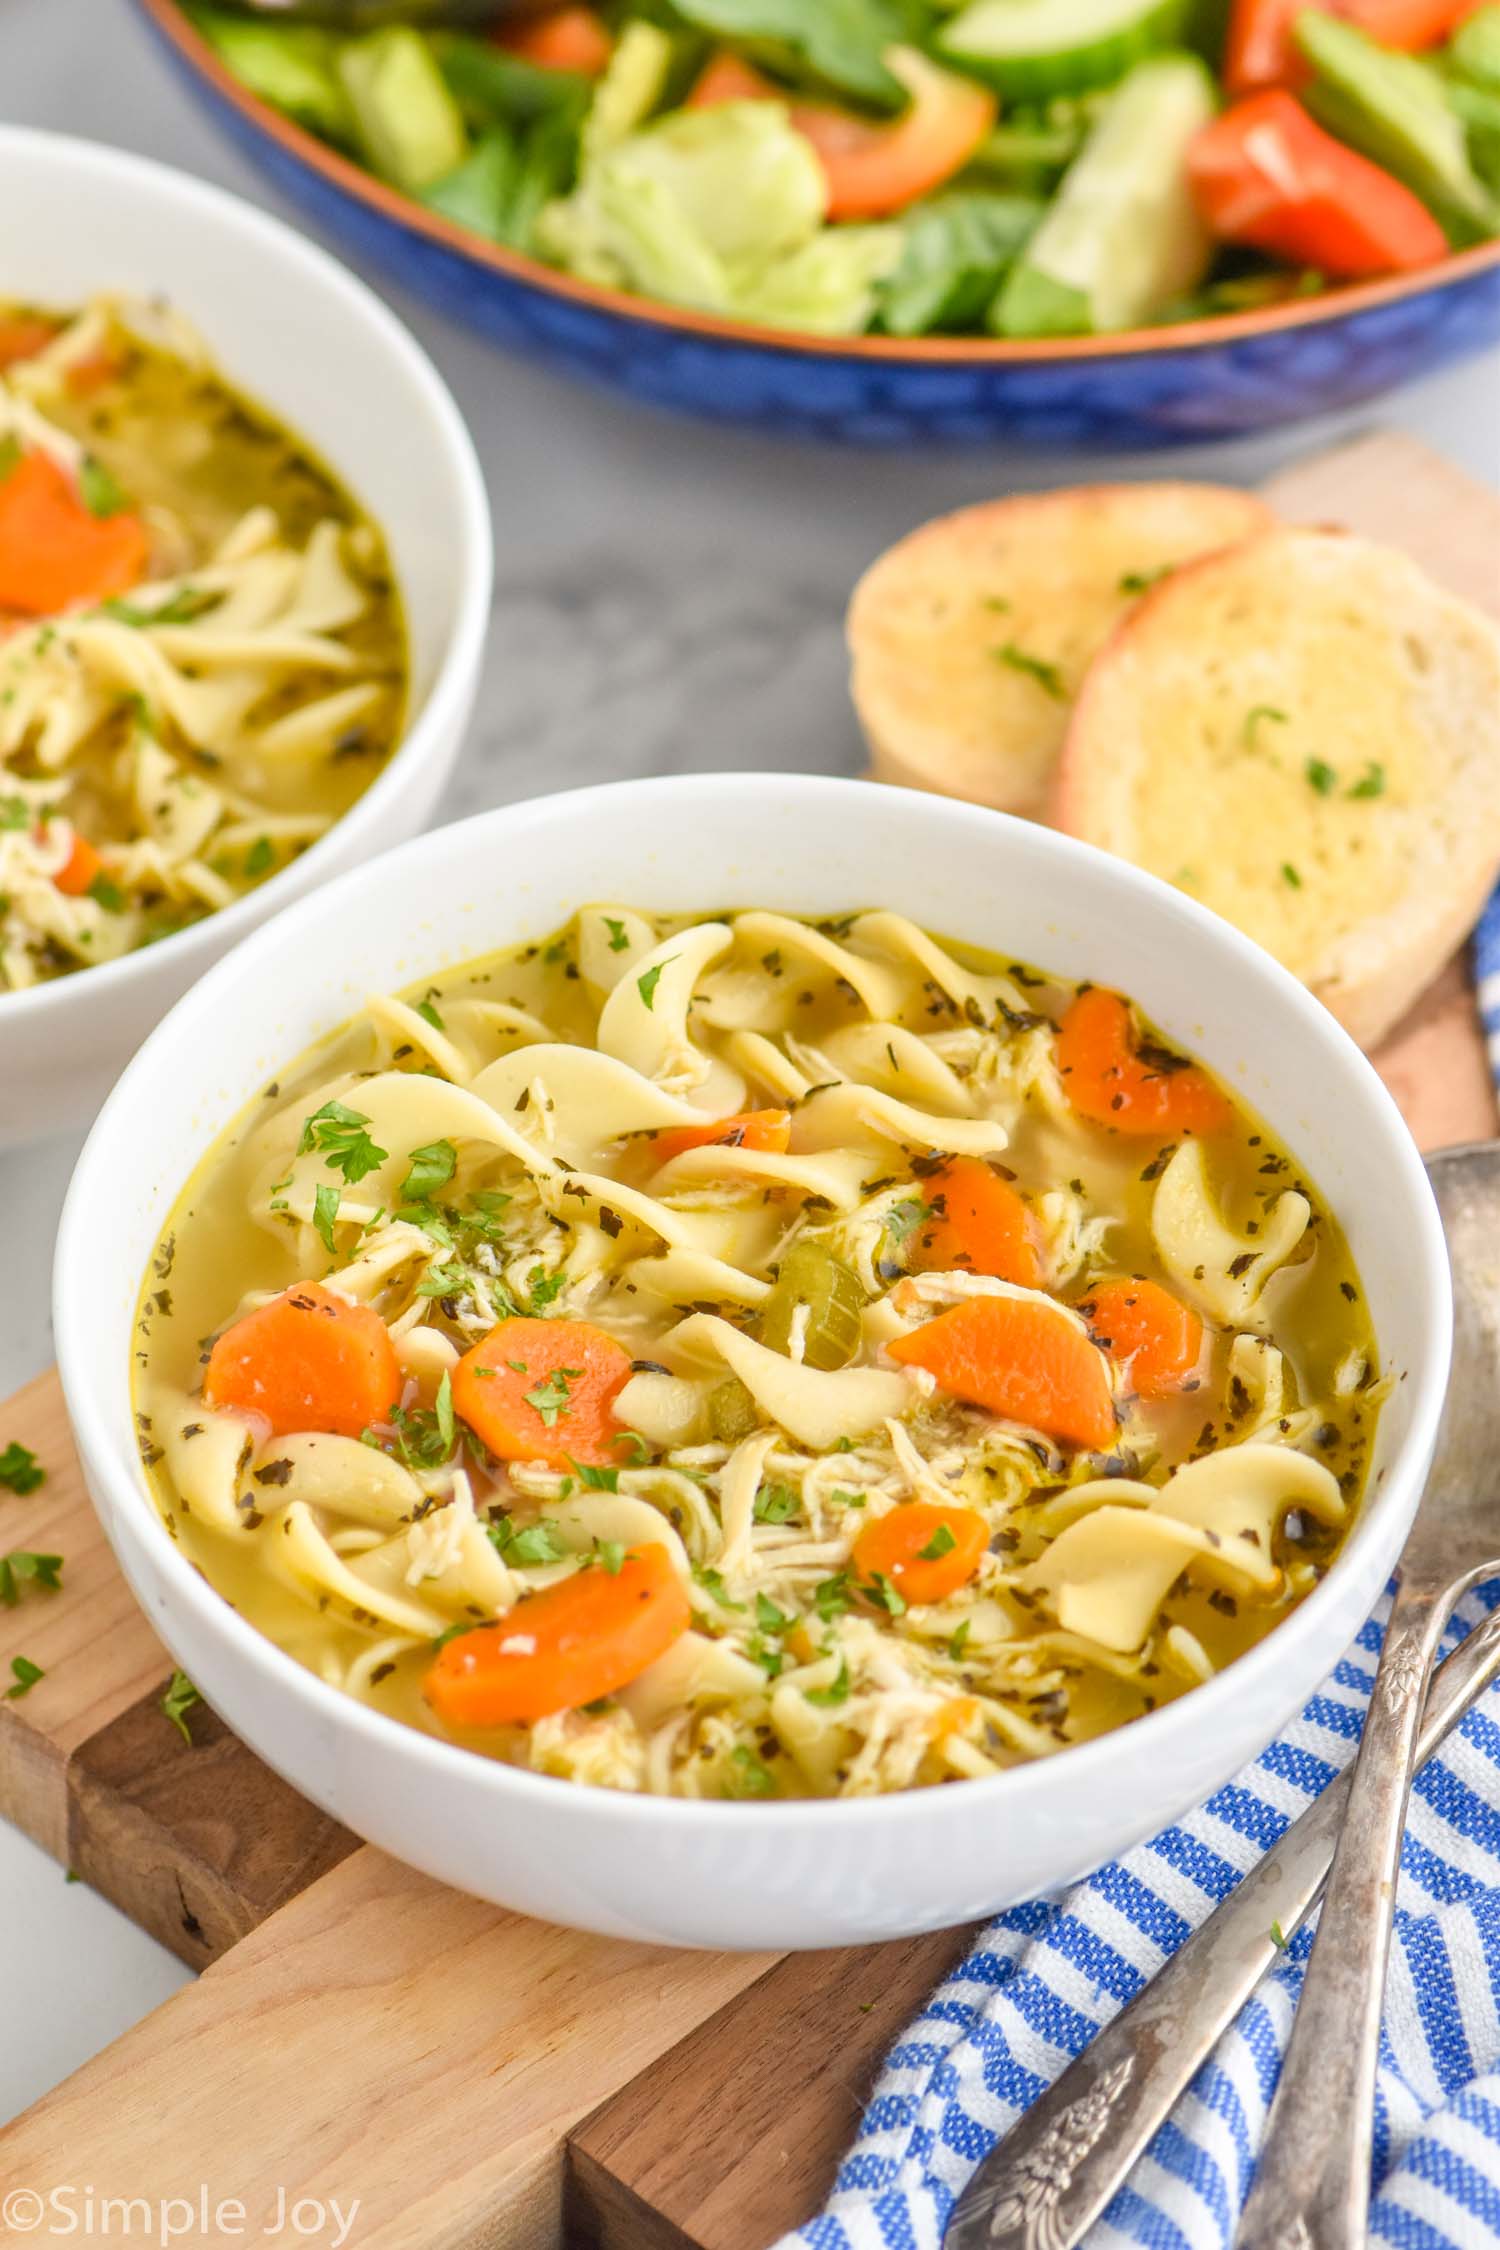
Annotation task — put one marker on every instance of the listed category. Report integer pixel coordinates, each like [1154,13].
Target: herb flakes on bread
[1304,734]
[970,638]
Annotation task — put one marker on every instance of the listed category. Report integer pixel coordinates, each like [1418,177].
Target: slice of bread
[1304,733]
[969,639]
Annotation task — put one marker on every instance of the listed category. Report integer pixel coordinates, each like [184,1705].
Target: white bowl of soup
[752,1361]
[244,580]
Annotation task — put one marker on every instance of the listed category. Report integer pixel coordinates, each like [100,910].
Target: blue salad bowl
[1227,376]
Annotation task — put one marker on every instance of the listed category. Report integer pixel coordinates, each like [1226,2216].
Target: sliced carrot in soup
[1146,1330]
[81,868]
[1114,1081]
[53,552]
[543,1390]
[307,1360]
[1027,1360]
[926,1550]
[979,1224]
[587,1636]
[769,1130]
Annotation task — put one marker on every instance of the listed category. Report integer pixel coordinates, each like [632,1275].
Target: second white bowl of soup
[244,578]
[767,1363]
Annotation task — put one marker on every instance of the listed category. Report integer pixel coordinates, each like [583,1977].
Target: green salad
[1017,168]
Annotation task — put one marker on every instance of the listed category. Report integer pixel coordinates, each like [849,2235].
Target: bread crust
[1304,733]
[1038,573]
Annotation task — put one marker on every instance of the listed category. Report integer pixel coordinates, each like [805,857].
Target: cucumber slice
[1123,237]
[410,128]
[289,65]
[1028,49]
[1393,109]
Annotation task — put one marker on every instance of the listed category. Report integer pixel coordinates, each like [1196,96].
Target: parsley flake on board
[1371,782]
[178,1700]
[19,1569]
[25,1675]
[1047,676]
[20,1470]
[1142,581]
[1321,777]
[1290,876]
[341,1135]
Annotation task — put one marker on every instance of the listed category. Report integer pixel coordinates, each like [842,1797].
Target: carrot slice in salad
[873,169]
[927,1551]
[23,335]
[1147,1330]
[587,1636]
[769,1130]
[1019,1357]
[1111,1080]
[307,1360]
[568,39]
[53,551]
[979,1225]
[542,1390]
[82,867]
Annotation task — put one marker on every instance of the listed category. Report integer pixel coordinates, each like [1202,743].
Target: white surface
[668,596]
[323,353]
[676,1871]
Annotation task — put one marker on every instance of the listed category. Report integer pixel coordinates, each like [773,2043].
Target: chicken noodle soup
[202,659]
[754,1358]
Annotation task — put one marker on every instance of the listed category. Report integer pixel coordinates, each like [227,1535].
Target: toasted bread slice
[1304,733]
[970,638]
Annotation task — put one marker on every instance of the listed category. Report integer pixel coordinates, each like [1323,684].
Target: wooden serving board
[476,2081]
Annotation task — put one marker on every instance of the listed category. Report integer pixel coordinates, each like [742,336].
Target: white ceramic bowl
[296,333]
[796,1874]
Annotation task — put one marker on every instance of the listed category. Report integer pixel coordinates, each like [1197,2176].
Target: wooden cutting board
[476,2081]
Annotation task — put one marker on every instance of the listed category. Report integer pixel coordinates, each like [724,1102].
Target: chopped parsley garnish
[768,1617]
[261,855]
[1290,876]
[842,1499]
[712,1582]
[960,1640]
[544,1287]
[639,1449]
[749,1777]
[609,1554]
[1047,676]
[431,1167]
[19,1569]
[179,609]
[837,1690]
[423,1435]
[1142,581]
[832,1596]
[1371,782]
[525,1549]
[904,1218]
[1254,718]
[98,490]
[618,941]
[442,1407]
[1321,776]
[551,1399]
[179,1699]
[596,1480]
[325,1210]
[106,892]
[775,1503]
[16,813]
[647,982]
[941,1543]
[429,1014]
[25,1675]
[20,1470]
[341,1135]
[879,1589]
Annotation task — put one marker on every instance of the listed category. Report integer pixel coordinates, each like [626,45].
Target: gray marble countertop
[667,596]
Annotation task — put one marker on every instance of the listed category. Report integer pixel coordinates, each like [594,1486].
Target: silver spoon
[1312,2183]
[1060,2165]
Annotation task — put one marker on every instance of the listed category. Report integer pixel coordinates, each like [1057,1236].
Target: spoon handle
[1059,2167]
[1312,2183]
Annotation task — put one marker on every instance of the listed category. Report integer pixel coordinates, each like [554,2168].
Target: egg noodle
[924,1381]
[227,671]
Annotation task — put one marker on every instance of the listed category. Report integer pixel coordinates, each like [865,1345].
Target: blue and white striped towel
[1045,1976]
